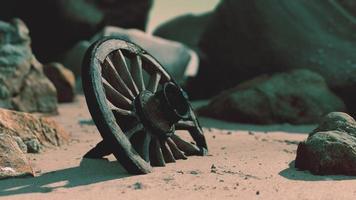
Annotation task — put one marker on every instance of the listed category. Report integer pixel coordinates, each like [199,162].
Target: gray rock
[24,87]
[13,162]
[337,121]
[297,97]
[330,148]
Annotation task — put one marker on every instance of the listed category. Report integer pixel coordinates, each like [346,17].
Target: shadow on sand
[293,173]
[219,124]
[88,172]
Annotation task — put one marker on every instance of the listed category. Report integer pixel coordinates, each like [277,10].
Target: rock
[23,86]
[35,132]
[13,162]
[330,148]
[297,97]
[20,143]
[33,146]
[176,29]
[337,121]
[63,79]
[248,38]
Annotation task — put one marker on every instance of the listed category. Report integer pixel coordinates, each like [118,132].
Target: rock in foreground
[298,97]
[13,161]
[330,148]
[22,133]
[23,85]
[35,132]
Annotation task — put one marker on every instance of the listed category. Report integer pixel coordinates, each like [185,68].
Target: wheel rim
[133,102]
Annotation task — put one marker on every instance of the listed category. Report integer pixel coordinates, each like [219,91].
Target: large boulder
[248,38]
[330,148]
[297,97]
[176,29]
[13,161]
[23,85]
[35,132]
[63,79]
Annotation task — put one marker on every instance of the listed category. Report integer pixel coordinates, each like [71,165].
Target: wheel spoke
[115,97]
[167,153]
[152,66]
[134,130]
[119,110]
[188,148]
[116,79]
[123,69]
[136,72]
[146,147]
[184,125]
[153,82]
[156,156]
[177,153]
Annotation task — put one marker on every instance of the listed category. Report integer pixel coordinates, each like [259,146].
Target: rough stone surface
[23,86]
[297,97]
[63,79]
[330,148]
[20,143]
[248,38]
[13,162]
[35,132]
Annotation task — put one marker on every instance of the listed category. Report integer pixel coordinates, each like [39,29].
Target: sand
[245,162]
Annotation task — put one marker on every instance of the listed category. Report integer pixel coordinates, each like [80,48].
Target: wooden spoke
[177,153]
[188,148]
[116,79]
[120,110]
[153,82]
[136,72]
[146,147]
[123,69]
[167,153]
[134,130]
[156,156]
[184,125]
[115,97]
[152,66]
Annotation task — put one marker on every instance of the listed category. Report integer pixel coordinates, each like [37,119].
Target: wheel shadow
[89,171]
[295,174]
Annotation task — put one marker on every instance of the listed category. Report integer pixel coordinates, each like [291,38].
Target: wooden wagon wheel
[137,106]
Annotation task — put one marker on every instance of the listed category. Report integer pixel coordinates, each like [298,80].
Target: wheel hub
[160,111]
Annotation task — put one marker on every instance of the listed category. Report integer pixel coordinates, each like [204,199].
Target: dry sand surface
[251,162]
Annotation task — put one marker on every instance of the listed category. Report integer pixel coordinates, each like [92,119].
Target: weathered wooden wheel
[137,107]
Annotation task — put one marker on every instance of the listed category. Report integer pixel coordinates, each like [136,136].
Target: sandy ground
[251,162]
